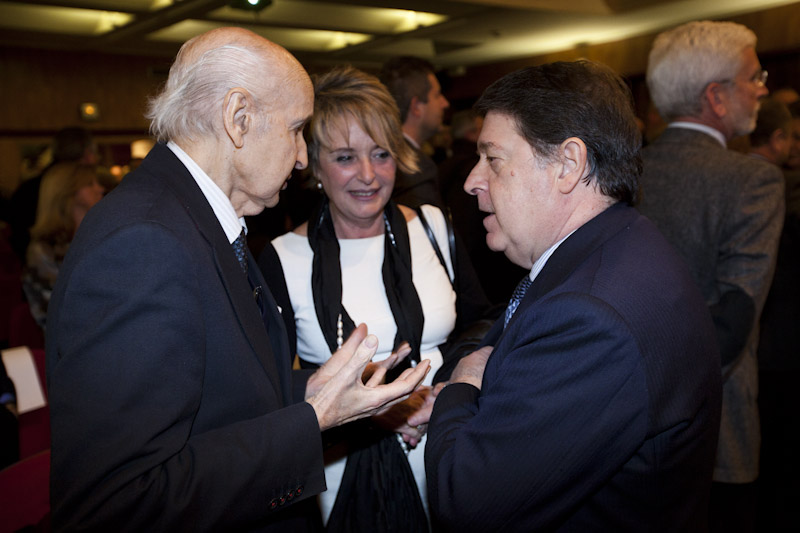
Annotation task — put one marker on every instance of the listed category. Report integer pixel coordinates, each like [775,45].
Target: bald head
[207,67]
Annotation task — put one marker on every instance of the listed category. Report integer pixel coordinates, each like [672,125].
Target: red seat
[9,262]
[23,329]
[25,494]
[34,432]
[10,296]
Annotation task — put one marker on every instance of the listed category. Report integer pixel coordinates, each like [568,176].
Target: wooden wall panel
[41,91]
[46,88]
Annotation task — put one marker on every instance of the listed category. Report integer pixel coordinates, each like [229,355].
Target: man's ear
[777,137]
[236,114]
[574,164]
[716,99]
[414,106]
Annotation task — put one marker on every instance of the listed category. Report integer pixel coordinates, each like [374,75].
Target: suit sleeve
[126,386]
[747,259]
[562,407]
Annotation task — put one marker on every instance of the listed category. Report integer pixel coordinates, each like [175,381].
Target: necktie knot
[240,249]
[516,298]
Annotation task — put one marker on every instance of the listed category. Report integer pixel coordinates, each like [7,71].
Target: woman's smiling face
[358,177]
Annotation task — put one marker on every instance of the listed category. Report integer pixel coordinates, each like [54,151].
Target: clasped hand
[343,389]
[410,417]
[469,370]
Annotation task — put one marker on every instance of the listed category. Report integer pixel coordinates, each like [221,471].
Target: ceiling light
[250,5]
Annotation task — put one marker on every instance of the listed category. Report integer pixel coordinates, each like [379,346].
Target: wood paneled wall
[41,92]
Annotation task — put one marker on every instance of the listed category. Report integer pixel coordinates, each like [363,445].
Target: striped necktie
[516,298]
[240,249]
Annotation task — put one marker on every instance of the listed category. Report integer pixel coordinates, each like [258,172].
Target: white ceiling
[450,33]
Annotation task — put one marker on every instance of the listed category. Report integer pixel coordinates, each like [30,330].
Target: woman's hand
[396,417]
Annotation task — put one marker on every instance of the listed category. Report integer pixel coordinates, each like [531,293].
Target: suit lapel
[276,329]
[573,251]
[180,181]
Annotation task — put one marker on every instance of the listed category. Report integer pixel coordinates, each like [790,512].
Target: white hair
[190,102]
[684,60]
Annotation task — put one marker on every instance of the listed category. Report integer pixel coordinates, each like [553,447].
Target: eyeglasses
[759,79]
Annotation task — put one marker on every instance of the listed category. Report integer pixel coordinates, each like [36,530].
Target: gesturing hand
[337,390]
[389,363]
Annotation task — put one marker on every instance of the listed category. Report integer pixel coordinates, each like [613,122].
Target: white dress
[364,297]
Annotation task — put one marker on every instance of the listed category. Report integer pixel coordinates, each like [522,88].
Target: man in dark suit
[173,405]
[413,84]
[598,407]
[723,212]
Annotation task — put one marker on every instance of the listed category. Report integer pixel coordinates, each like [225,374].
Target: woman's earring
[319,185]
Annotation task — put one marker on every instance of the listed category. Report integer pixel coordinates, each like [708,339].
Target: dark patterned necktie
[240,249]
[516,298]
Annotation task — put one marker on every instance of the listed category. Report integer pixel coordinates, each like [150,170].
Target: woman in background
[362,258]
[67,192]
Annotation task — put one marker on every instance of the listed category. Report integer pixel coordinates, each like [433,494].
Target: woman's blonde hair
[346,92]
[55,222]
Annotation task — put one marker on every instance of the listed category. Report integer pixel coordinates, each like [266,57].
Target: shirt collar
[539,264]
[708,130]
[412,141]
[221,205]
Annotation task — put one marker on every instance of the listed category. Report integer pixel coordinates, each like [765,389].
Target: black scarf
[378,492]
[326,279]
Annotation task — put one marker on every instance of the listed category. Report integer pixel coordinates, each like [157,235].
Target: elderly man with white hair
[723,212]
[173,405]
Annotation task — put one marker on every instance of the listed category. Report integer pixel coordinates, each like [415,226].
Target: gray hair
[185,106]
[684,60]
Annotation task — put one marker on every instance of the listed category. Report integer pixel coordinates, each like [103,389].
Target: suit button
[281,500]
[290,495]
[298,491]
[273,504]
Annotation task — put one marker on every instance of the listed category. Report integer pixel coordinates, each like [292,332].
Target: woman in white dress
[361,258]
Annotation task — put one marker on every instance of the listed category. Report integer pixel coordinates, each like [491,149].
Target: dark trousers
[779,479]
[733,507]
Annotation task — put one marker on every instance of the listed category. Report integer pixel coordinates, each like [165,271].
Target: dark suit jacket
[170,408]
[722,211]
[600,403]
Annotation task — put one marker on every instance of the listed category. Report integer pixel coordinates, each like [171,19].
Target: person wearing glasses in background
[723,212]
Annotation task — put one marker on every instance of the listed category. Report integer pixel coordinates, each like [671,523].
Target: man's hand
[470,368]
[389,363]
[338,392]
[396,418]
[422,416]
